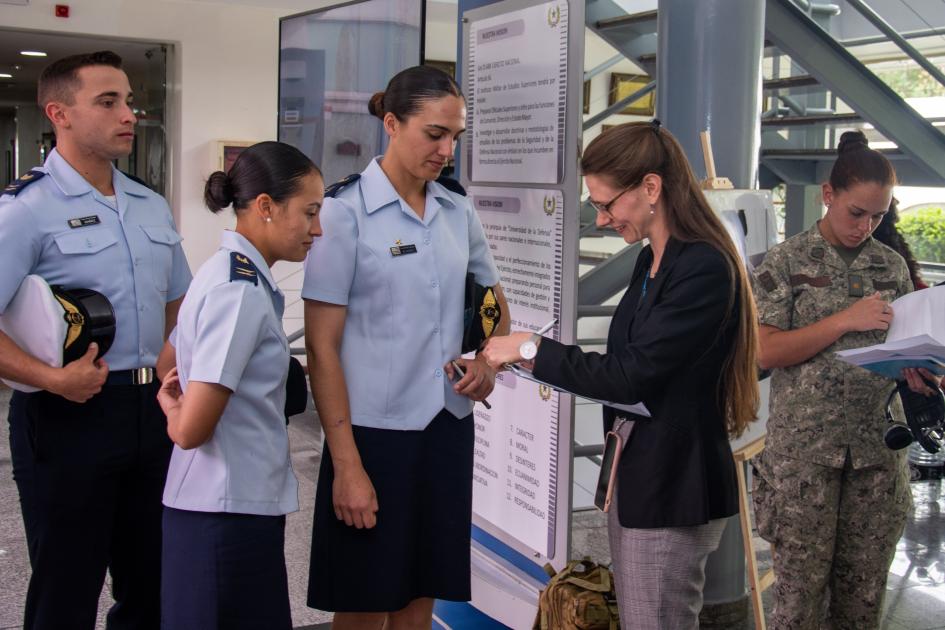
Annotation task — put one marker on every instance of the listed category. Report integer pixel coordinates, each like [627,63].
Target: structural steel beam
[886,29]
[608,278]
[633,36]
[832,65]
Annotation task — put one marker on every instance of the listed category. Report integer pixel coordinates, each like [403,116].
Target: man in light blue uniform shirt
[230,333]
[90,451]
[391,270]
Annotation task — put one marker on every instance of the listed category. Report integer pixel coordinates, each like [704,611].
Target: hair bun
[218,193]
[376,105]
[852,141]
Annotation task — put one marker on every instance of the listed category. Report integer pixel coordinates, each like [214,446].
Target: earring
[268,219]
[652,211]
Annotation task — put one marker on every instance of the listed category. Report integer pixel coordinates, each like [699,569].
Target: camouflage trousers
[832,530]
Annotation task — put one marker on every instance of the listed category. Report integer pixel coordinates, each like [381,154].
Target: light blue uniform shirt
[230,332]
[404,313]
[131,255]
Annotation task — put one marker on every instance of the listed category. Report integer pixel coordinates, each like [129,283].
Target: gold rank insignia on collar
[242,268]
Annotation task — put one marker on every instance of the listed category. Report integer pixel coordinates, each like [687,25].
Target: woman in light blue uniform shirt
[230,481]
[383,318]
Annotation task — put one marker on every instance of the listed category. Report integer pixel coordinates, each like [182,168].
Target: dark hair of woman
[857,162]
[625,155]
[888,234]
[272,168]
[408,89]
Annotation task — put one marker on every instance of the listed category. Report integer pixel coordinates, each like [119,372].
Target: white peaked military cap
[56,325]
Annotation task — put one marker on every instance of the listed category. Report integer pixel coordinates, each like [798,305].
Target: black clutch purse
[481,314]
[296,390]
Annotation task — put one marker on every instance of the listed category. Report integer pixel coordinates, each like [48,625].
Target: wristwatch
[529,349]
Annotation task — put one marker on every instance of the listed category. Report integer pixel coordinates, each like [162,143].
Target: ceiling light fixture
[4,75]
[33,53]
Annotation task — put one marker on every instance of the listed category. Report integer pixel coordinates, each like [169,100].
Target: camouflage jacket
[822,407]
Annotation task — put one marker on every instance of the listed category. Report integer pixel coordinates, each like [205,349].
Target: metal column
[709,78]
[803,206]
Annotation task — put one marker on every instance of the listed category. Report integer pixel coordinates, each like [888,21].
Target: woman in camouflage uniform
[829,496]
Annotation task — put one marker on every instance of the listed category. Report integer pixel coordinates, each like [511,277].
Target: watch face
[528,350]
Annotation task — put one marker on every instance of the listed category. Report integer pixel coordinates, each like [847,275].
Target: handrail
[619,105]
[818,7]
[877,20]
[593,72]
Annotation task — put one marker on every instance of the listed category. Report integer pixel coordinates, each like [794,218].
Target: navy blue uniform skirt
[420,545]
[223,570]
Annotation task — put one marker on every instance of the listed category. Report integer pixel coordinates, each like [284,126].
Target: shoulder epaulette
[16,187]
[242,268]
[341,184]
[451,184]
[137,179]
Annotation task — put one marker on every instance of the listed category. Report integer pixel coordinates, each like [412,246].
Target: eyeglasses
[604,208]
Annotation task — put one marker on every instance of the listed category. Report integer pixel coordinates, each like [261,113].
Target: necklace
[646,279]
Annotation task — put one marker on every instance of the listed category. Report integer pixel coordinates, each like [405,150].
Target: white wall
[441,33]
[222,83]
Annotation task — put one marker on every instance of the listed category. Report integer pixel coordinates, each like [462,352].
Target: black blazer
[666,351]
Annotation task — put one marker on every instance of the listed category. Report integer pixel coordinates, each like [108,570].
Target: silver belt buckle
[142,376]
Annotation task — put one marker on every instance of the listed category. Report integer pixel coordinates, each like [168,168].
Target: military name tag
[855,282]
[400,250]
[84,221]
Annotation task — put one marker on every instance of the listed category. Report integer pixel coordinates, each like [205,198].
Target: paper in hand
[638,408]
[916,337]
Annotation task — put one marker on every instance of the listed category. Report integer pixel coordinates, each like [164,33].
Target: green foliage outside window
[911,82]
[924,230]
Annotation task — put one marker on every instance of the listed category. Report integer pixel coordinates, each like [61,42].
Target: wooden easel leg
[744,515]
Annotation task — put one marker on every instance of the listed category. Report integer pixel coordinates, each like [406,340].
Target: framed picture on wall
[623,85]
[228,151]
[449,67]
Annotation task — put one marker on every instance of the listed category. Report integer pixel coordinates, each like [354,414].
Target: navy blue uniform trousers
[90,478]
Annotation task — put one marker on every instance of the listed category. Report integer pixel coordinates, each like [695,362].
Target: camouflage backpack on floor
[581,596]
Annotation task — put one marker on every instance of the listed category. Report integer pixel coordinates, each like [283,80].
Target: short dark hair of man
[60,80]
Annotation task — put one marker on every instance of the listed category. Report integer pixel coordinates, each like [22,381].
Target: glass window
[330,64]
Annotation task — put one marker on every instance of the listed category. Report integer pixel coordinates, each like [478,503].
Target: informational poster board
[517,70]
[517,447]
[519,58]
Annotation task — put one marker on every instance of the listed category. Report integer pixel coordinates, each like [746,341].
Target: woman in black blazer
[682,341]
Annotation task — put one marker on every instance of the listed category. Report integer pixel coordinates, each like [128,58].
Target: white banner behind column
[517,70]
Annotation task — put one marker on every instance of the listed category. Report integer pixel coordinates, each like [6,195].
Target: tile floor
[915,594]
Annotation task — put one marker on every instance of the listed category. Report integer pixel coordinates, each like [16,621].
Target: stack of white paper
[637,408]
[916,337]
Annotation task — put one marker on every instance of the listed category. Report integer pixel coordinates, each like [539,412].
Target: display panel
[516,458]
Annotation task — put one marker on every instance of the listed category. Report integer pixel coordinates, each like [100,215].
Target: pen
[547,327]
[459,371]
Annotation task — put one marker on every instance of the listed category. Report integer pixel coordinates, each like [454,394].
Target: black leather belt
[138,376]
